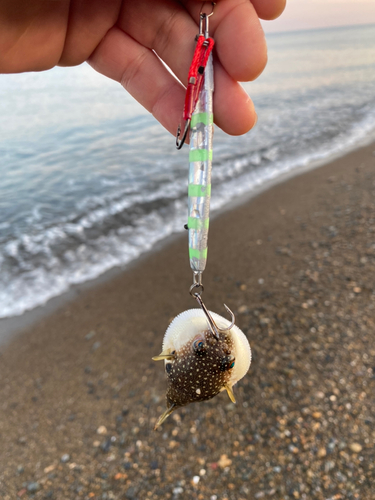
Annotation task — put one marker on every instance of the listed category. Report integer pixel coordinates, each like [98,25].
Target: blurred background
[89,180]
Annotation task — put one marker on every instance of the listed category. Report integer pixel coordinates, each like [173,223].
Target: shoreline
[80,394]
[12,326]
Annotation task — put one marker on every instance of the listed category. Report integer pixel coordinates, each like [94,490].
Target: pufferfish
[199,365]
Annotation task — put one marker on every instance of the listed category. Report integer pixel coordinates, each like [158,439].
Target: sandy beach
[79,393]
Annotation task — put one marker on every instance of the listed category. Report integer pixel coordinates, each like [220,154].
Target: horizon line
[317,28]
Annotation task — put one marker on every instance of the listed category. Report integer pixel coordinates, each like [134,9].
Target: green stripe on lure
[200,167]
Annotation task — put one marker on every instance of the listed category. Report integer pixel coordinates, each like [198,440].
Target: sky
[308,14]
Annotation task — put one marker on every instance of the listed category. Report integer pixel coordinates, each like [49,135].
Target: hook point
[181,142]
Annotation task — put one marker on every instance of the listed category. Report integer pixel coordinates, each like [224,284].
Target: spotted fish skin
[199,365]
[200,369]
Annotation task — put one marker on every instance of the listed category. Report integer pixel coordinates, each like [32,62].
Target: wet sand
[79,393]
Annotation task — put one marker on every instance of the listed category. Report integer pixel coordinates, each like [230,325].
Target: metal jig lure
[198,341]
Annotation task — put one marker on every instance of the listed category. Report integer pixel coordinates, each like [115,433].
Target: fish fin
[165,415]
[164,355]
[230,393]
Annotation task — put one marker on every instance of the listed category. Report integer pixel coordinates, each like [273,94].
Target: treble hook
[181,142]
[213,326]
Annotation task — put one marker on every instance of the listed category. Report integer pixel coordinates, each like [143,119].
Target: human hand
[119,38]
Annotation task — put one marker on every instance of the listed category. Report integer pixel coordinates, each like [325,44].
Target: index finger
[239,39]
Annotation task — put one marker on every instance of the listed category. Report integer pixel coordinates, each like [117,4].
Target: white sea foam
[35,286]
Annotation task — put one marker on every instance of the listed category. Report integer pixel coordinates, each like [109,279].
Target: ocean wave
[83,258]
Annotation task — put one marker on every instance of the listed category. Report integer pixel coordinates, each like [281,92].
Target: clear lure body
[200,167]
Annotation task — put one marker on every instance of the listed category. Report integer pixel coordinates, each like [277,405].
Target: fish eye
[227,363]
[199,346]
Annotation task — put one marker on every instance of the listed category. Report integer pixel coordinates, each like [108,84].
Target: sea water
[89,180]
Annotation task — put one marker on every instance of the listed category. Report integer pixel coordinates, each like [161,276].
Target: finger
[144,76]
[233,109]
[89,21]
[31,34]
[270,9]
[239,39]
[167,28]
[172,36]
[170,31]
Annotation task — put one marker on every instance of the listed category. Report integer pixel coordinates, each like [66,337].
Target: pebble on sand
[90,335]
[33,487]
[322,452]
[65,458]
[49,469]
[355,447]
[224,461]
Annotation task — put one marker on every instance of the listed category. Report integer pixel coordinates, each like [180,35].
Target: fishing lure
[203,352]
